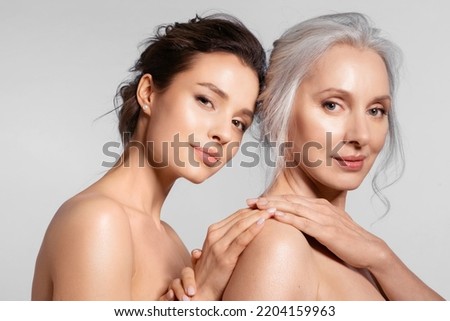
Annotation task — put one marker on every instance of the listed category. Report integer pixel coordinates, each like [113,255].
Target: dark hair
[172,51]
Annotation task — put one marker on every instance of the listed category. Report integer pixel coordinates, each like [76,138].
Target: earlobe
[145,92]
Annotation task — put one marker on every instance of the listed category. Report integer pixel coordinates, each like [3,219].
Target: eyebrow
[214,88]
[247,112]
[224,95]
[347,94]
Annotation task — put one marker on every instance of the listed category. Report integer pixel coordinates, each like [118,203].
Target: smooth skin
[109,242]
[346,93]
[349,242]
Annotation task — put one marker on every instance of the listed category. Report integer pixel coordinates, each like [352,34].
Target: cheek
[177,120]
[315,129]
[379,137]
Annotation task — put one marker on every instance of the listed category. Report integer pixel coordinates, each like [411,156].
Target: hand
[329,225]
[181,289]
[225,241]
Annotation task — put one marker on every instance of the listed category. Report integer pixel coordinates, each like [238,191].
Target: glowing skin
[346,94]
[108,242]
[204,112]
[339,125]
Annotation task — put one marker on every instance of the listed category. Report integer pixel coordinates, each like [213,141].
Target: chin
[346,185]
[196,180]
[197,176]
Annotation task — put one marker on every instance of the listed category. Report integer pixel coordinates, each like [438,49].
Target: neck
[137,185]
[296,181]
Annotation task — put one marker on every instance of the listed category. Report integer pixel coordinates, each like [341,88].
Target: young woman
[183,115]
[330,98]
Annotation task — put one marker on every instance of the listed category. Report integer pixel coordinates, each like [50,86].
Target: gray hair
[292,57]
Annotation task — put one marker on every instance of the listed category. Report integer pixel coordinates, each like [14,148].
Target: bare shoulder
[277,265]
[90,208]
[87,252]
[90,215]
[279,237]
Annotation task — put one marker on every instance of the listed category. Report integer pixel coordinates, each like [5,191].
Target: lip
[353,163]
[209,156]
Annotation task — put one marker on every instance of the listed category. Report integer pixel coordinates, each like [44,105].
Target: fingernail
[252,201]
[261,221]
[186,298]
[279,214]
[262,202]
[271,210]
[190,290]
[169,295]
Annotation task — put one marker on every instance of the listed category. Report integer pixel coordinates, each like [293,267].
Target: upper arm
[90,253]
[276,265]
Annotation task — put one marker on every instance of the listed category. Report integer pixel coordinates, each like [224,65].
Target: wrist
[205,294]
[383,258]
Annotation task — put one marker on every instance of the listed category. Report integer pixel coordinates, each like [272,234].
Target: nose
[221,131]
[358,132]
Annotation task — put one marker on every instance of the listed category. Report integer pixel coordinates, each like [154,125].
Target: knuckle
[211,236]
[241,225]
[187,271]
[241,241]
[290,198]
[175,283]
[227,261]
[297,208]
[217,249]
[304,223]
[212,228]
[244,211]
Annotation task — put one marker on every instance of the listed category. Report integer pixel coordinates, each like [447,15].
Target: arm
[213,265]
[223,245]
[276,265]
[335,229]
[398,281]
[89,250]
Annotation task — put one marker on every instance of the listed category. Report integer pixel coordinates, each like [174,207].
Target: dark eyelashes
[203,100]
[207,103]
[240,125]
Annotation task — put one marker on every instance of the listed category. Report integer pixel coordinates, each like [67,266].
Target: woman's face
[196,124]
[340,122]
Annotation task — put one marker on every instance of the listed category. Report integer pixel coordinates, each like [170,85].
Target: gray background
[61,61]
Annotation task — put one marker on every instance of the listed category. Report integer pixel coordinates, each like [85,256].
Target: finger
[216,234]
[245,215]
[318,204]
[169,296]
[320,210]
[231,217]
[299,209]
[257,218]
[195,256]
[251,202]
[178,290]
[188,281]
[305,225]
[240,243]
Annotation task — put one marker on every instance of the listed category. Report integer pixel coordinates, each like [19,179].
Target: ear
[145,92]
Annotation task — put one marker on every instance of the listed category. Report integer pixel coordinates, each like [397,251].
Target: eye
[377,112]
[331,106]
[239,124]
[204,101]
